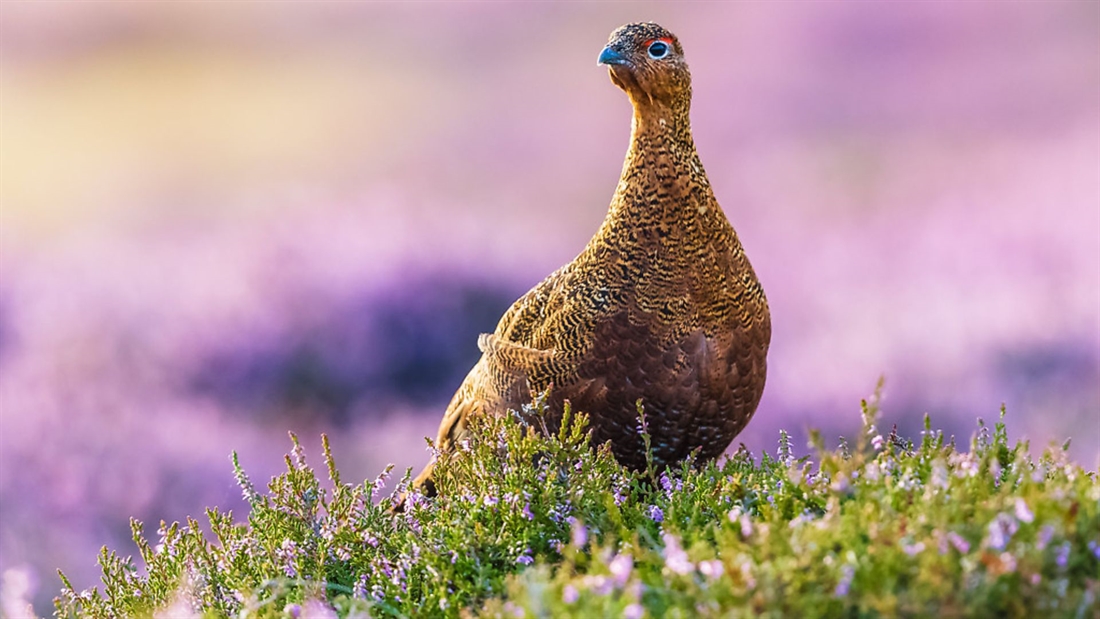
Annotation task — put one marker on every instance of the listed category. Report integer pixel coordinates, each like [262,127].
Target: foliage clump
[535,525]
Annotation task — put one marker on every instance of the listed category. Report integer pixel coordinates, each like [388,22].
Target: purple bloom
[1045,535]
[359,591]
[746,526]
[675,557]
[569,594]
[527,512]
[1023,514]
[287,553]
[913,549]
[294,610]
[848,573]
[633,611]
[712,569]
[878,442]
[379,483]
[525,558]
[655,514]
[841,484]
[621,567]
[298,455]
[600,585]
[580,534]
[1061,556]
[318,609]
[1095,548]
[1000,531]
[959,542]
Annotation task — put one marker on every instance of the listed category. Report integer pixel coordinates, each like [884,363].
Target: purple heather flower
[666,484]
[621,567]
[288,552]
[1023,514]
[1094,546]
[746,526]
[848,573]
[959,542]
[359,591]
[712,569]
[841,484]
[633,611]
[1062,555]
[913,549]
[525,558]
[1045,535]
[298,454]
[294,610]
[527,512]
[490,500]
[599,584]
[877,442]
[569,594]
[968,466]
[579,533]
[558,514]
[1000,531]
[655,514]
[318,609]
[675,557]
[379,483]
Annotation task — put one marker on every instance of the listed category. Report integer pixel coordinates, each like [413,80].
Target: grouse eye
[658,50]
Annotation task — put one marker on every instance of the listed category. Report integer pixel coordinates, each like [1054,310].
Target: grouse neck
[662,171]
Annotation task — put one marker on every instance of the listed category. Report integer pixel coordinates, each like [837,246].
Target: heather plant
[531,523]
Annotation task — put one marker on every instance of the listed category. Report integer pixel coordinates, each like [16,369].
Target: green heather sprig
[528,525]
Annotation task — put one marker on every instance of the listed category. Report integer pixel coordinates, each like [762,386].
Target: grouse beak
[611,57]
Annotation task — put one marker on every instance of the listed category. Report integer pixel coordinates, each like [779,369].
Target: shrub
[535,525]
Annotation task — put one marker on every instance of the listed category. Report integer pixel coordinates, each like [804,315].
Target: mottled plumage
[662,305]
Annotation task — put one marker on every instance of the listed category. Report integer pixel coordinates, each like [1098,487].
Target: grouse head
[647,62]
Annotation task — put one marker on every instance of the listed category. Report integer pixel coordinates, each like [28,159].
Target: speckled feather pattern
[661,306]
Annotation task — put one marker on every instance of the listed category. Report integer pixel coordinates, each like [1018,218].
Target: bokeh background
[224,221]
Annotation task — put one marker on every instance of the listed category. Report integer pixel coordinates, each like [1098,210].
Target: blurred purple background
[225,221]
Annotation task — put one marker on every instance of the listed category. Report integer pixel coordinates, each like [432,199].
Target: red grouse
[661,306]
